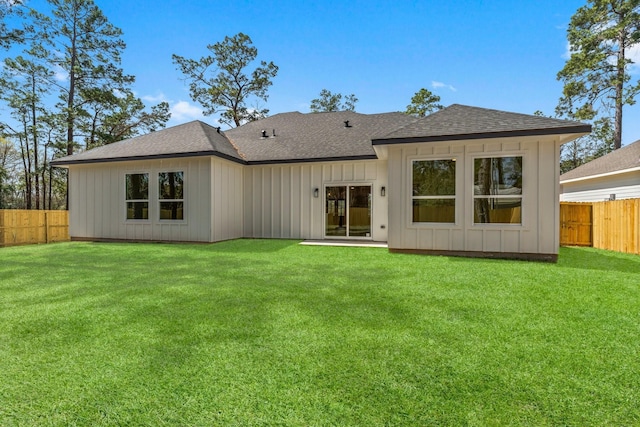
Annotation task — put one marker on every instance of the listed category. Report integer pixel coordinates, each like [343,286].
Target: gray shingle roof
[314,136]
[322,136]
[463,122]
[627,157]
[190,139]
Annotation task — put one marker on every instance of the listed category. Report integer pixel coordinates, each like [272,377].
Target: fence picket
[18,226]
[613,225]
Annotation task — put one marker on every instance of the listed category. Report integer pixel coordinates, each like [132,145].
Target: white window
[137,195]
[497,190]
[434,191]
[171,195]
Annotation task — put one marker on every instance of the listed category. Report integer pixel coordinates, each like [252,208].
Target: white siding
[279,200]
[624,186]
[538,233]
[98,210]
[226,195]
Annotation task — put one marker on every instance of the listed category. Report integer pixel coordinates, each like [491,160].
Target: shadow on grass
[597,259]
[583,258]
[248,245]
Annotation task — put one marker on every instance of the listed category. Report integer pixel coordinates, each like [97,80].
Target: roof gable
[627,157]
[459,122]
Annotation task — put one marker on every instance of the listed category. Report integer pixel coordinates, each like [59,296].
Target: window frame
[160,200]
[475,196]
[128,200]
[453,196]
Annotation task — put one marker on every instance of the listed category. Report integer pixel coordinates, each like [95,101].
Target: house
[610,177]
[461,181]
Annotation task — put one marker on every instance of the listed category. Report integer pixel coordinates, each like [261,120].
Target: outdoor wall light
[316,192]
[383,191]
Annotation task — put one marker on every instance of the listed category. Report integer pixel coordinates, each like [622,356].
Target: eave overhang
[574,131]
[67,163]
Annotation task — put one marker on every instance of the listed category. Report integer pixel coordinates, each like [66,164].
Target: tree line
[64,90]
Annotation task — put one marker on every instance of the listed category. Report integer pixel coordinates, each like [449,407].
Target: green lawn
[266,332]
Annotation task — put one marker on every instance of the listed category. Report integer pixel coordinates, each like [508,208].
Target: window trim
[160,200]
[147,200]
[455,197]
[520,196]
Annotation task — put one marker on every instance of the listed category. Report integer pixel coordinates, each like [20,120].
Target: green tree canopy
[79,40]
[221,83]
[596,76]
[65,87]
[328,101]
[423,103]
[115,117]
[8,34]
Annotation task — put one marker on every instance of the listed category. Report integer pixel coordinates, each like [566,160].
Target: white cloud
[437,85]
[567,51]
[182,111]
[60,74]
[155,99]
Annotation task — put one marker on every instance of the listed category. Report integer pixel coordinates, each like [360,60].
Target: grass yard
[268,332]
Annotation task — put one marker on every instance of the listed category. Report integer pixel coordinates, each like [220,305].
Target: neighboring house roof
[460,122]
[623,159]
[314,136]
[297,137]
[186,140]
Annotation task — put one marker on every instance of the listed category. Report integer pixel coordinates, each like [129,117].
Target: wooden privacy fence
[19,227]
[576,224]
[612,225]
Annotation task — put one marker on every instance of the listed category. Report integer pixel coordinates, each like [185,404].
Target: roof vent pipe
[346,124]
[218,129]
[274,133]
[264,134]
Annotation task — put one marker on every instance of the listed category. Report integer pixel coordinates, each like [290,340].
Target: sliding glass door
[348,211]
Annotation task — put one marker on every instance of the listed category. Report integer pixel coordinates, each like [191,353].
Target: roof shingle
[314,136]
[627,157]
[189,139]
[297,137]
[458,122]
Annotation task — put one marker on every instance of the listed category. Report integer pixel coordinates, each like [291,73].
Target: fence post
[46,227]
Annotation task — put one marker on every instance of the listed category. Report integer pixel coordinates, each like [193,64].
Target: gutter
[485,135]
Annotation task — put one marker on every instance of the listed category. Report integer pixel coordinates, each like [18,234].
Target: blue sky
[486,53]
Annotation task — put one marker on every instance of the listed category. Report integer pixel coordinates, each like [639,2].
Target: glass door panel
[348,211]
[336,199]
[360,211]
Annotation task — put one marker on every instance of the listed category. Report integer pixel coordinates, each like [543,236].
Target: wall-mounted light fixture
[383,191]
[316,192]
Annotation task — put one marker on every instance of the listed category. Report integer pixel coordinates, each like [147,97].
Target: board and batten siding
[97,204]
[623,186]
[279,201]
[538,233]
[227,211]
